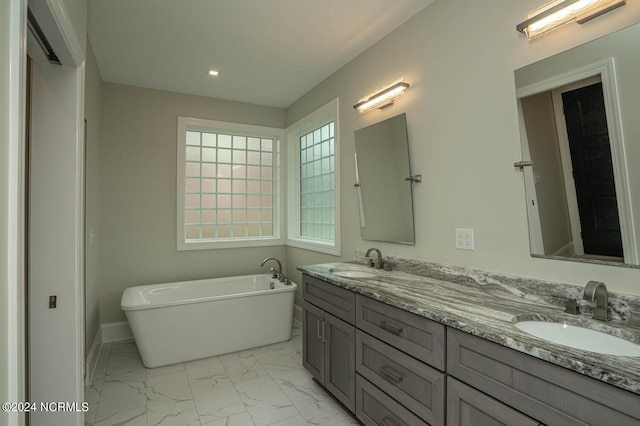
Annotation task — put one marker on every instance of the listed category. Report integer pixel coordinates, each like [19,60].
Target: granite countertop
[488,308]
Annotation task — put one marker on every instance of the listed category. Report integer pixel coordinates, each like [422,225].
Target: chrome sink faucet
[597,291]
[380,263]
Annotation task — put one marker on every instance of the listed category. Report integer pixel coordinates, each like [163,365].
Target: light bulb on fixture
[381,98]
[213,73]
[559,12]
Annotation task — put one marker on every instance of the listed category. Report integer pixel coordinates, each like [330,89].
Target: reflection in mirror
[382,164]
[580,193]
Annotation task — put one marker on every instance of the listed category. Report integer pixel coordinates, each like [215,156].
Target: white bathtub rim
[292,287]
[283,288]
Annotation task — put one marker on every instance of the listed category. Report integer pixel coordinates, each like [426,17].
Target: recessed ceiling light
[213,73]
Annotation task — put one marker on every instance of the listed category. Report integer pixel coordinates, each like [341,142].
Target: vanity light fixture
[559,12]
[382,98]
[213,73]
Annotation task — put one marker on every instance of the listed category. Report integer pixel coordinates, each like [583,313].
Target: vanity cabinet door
[328,352]
[340,361]
[467,406]
[312,340]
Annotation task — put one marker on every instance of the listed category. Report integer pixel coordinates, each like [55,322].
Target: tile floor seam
[191,390]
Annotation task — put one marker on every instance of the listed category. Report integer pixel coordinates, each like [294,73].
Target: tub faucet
[597,291]
[276,274]
[279,266]
[380,263]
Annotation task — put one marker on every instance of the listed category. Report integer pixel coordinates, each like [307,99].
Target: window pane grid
[229,187]
[317,184]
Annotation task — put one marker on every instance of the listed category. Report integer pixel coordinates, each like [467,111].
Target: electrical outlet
[464,239]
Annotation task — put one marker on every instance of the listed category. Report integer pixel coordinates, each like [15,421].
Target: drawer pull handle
[390,328]
[387,421]
[324,332]
[390,373]
[318,335]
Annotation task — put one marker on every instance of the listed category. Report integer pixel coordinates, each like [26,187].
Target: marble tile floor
[256,387]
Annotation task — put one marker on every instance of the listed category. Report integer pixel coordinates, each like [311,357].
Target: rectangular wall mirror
[384,194]
[580,131]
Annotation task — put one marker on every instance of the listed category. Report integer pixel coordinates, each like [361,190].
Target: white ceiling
[268,52]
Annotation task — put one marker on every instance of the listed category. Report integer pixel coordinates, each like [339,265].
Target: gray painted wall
[550,191]
[459,58]
[136,232]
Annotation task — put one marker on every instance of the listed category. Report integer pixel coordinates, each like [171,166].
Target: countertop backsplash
[548,292]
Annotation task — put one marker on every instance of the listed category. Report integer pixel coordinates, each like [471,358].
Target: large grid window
[230,186]
[317,184]
[313,181]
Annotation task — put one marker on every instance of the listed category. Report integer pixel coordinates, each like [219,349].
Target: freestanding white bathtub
[183,321]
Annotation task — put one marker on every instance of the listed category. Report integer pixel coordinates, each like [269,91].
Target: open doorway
[588,169]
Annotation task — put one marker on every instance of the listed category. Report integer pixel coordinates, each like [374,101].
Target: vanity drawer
[335,300]
[467,406]
[412,383]
[547,392]
[374,407]
[411,333]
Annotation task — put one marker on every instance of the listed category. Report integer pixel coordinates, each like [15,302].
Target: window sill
[226,244]
[322,247]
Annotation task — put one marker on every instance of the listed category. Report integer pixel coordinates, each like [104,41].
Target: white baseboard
[113,332]
[119,331]
[297,314]
[92,357]
[116,332]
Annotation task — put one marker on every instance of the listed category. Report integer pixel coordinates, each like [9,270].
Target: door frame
[606,70]
[15,303]
[65,331]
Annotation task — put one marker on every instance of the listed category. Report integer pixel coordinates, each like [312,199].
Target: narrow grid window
[230,187]
[317,184]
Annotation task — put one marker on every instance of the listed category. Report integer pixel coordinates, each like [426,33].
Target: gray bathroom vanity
[440,348]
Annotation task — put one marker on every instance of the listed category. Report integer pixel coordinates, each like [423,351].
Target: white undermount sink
[353,273]
[580,338]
